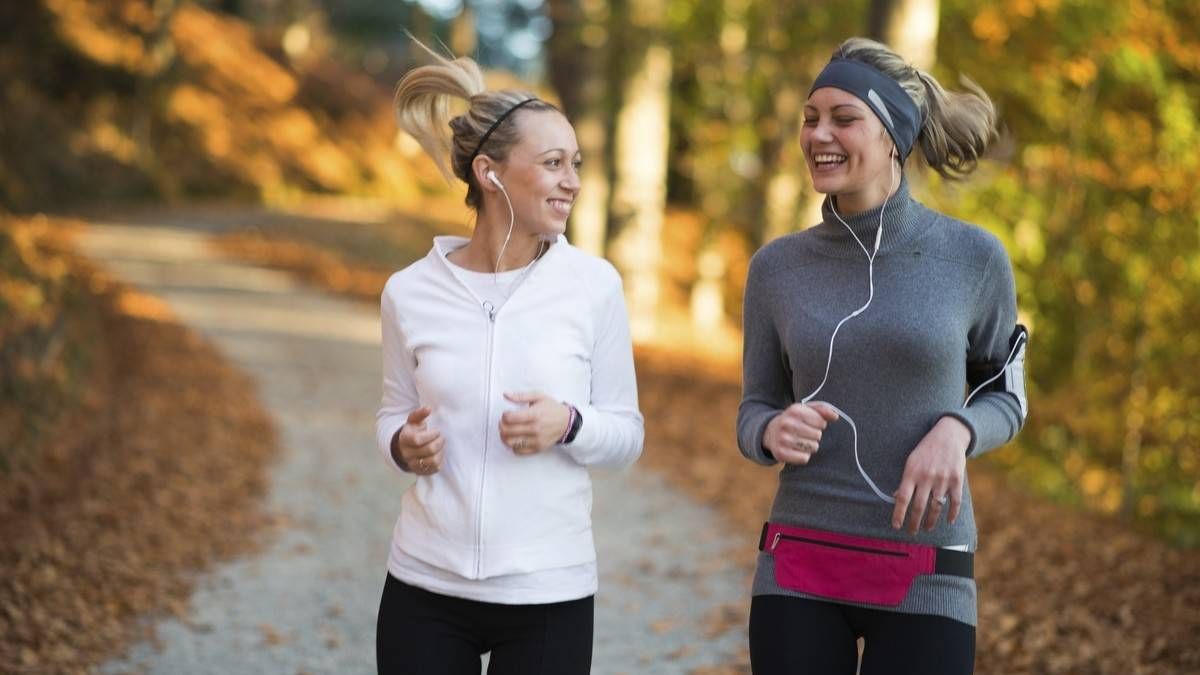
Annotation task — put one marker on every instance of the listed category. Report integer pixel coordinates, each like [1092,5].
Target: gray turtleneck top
[944,307]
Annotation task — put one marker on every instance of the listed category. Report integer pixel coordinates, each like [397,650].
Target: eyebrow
[852,106]
[562,150]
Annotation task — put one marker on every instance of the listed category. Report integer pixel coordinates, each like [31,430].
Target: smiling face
[541,173]
[847,150]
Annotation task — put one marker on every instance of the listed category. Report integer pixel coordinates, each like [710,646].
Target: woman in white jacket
[507,371]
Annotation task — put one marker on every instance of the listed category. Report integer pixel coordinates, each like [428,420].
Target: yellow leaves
[190,103]
[1094,481]
[1085,292]
[32,272]
[1099,486]
[1080,71]
[1047,157]
[1022,8]
[106,137]
[226,49]
[989,26]
[1145,174]
[733,38]
[82,25]
[255,143]
[20,296]
[1030,243]
[996,24]
[140,305]
[102,461]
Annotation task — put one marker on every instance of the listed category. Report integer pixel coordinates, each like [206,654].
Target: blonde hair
[422,105]
[957,126]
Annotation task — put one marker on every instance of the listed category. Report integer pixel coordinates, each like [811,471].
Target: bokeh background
[276,115]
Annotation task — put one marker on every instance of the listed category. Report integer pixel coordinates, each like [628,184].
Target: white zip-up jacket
[563,332]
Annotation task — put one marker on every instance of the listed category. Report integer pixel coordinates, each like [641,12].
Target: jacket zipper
[848,547]
[490,311]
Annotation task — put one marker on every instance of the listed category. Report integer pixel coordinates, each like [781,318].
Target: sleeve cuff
[760,453]
[958,415]
[399,464]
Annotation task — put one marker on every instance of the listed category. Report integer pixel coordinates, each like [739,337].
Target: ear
[479,170]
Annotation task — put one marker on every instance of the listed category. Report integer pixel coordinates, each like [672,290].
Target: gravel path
[306,603]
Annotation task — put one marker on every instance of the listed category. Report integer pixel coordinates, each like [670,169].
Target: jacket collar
[443,245]
[904,219]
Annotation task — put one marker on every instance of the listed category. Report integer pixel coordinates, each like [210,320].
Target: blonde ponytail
[957,126]
[422,105]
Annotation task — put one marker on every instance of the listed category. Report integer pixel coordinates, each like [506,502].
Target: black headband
[886,98]
[492,128]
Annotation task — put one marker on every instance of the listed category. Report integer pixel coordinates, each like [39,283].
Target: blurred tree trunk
[785,186]
[731,183]
[1135,421]
[421,26]
[579,60]
[154,88]
[464,36]
[910,27]
[789,202]
[641,138]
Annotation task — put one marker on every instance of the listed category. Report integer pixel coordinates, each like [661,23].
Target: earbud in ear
[491,175]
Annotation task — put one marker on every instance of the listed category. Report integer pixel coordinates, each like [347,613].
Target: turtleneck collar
[903,219]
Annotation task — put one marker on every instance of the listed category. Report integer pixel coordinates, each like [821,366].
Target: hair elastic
[498,122]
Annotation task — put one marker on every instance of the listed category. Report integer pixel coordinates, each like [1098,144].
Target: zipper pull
[490,310]
[775,541]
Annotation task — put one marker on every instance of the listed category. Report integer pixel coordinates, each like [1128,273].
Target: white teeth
[828,158]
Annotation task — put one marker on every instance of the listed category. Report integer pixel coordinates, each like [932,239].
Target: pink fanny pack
[855,569]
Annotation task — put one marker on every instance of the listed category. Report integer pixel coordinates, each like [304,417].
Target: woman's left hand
[535,428]
[933,476]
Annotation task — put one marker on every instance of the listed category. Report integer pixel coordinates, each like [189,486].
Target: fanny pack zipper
[848,547]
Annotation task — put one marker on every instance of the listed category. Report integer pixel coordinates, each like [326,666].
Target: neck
[487,242]
[851,203]
[902,218]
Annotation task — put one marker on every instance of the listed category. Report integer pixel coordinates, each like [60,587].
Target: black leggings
[795,636]
[423,633]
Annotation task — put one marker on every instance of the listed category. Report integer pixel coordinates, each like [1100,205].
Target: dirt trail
[306,603]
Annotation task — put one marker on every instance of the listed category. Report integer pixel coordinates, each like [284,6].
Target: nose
[821,132]
[571,181]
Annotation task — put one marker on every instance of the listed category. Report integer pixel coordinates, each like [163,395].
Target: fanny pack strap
[946,561]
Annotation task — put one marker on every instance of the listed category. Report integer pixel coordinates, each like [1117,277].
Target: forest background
[688,116]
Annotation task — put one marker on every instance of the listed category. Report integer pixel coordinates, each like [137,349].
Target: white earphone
[512,219]
[870,296]
[491,175]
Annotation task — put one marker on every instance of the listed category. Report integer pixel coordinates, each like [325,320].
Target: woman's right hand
[794,435]
[417,447]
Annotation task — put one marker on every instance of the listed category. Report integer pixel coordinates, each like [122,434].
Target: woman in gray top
[881,351]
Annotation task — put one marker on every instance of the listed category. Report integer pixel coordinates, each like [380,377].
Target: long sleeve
[399,388]
[766,384]
[994,416]
[612,433]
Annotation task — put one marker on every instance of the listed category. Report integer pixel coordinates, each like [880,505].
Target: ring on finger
[421,464]
[941,501]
